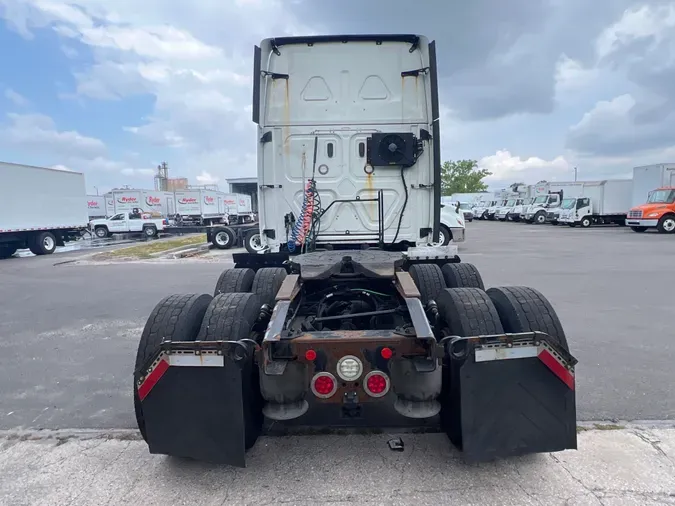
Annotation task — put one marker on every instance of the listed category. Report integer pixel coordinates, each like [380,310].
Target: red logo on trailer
[127,200]
[92,204]
[188,200]
[153,201]
[209,200]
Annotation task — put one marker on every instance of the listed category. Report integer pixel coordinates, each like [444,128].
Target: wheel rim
[256,242]
[441,239]
[100,232]
[149,231]
[222,238]
[586,223]
[541,218]
[48,243]
[669,225]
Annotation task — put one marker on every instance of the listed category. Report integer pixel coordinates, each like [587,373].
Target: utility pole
[575,173]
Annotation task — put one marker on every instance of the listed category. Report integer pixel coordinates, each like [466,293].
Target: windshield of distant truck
[510,203]
[567,203]
[465,205]
[661,197]
[541,200]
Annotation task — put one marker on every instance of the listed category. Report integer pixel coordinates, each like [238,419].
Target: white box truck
[600,203]
[547,198]
[96,207]
[157,203]
[40,208]
[202,207]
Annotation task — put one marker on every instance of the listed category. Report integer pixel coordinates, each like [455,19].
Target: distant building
[246,185]
[177,183]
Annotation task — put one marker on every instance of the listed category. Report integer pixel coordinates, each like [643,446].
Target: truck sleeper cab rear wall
[340,91]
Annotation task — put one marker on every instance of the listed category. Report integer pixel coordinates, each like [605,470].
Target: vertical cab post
[436,139]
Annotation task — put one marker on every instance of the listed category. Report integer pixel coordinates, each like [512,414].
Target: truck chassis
[339,338]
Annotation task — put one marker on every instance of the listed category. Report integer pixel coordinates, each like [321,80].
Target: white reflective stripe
[196,360]
[490,354]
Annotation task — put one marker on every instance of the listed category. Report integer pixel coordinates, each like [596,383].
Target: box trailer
[204,207]
[158,203]
[40,208]
[96,207]
[600,203]
[238,207]
[653,198]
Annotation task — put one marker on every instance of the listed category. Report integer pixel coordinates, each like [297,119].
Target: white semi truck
[349,334]
[360,161]
[40,208]
[600,203]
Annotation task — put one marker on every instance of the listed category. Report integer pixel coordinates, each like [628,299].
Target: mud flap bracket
[508,395]
[192,400]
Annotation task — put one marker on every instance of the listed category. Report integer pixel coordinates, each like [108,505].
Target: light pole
[575,173]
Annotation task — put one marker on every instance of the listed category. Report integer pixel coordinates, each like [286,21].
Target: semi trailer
[351,316]
[40,208]
[201,207]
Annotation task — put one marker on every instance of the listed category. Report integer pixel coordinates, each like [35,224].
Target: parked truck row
[643,202]
[197,206]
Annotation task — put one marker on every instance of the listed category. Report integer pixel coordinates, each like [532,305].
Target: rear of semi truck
[40,208]
[331,326]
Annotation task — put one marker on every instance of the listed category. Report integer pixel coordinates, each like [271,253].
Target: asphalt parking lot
[68,333]
[68,337]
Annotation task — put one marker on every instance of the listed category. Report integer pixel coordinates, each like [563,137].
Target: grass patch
[147,250]
[608,426]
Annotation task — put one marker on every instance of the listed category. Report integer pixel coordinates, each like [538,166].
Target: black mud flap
[194,407]
[509,399]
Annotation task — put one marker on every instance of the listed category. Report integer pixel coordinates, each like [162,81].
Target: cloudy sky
[530,88]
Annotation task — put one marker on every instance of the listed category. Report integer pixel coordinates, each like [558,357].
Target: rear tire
[267,282]
[150,232]
[230,317]
[462,275]
[177,318]
[235,281]
[43,243]
[429,280]
[252,242]
[223,238]
[101,232]
[524,309]
[468,312]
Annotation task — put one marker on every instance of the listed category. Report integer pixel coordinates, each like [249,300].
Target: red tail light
[324,385]
[376,384]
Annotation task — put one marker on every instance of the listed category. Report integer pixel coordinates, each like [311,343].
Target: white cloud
[572,76]
[507,168]
[639,23]
[58,166]
[207,178]
[37,131]
[16,98]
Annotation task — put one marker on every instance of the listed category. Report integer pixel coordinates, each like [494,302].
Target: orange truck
[657,184]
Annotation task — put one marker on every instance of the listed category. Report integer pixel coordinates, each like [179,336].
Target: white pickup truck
[128,223]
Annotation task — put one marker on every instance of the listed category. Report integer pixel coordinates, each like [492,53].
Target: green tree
[463,176]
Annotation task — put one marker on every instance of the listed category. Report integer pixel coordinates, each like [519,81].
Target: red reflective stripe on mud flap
[557,368]
[152,378]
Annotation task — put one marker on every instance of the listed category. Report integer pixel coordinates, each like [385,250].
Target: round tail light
[376,384]
[324,385]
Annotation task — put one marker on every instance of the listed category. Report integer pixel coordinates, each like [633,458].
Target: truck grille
[635,214]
